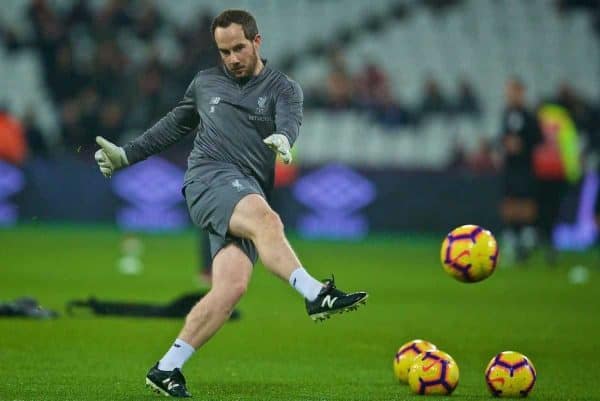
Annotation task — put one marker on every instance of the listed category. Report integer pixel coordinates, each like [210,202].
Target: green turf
[275,352]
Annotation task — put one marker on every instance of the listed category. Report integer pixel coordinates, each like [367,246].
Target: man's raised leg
[254,219]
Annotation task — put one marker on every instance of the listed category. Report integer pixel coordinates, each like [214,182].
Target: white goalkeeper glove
[280,144]
[110,157]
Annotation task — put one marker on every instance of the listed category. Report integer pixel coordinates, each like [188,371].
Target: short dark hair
[240,17]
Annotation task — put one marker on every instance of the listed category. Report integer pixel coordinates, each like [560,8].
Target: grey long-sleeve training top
[232,119]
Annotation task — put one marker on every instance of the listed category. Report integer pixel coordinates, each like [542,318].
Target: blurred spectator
[111,121]
[13,148]
[339,83]
[369,82]
[147,96]
[387,111]
[198,49]
[467,102]
[112,17]
[81,120]
[35,139]
[109,67]
[483,160]
[579,109]
[374,94]
[520,134]
[553,189]
[433,101]
[48,30]
[10,39]
[458,159]
[148,23]
[556,162]
[79,14]
[64,80]
[72,130]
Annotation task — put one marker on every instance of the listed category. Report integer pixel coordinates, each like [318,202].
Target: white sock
[176,356]
[305,284]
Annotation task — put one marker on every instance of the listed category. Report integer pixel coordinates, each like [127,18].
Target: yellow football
[433,372]
[469,253]
[510,374]
[406,355]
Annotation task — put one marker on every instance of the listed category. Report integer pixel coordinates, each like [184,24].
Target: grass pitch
[275,352]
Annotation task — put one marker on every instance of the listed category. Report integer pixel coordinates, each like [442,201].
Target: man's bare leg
[254,219]
[231,274]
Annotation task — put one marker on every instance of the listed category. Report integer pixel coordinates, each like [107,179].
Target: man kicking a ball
[244,110]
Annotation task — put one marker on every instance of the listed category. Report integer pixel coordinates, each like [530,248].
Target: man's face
[239,54]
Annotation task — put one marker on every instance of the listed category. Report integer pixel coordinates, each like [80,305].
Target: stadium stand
[476,41]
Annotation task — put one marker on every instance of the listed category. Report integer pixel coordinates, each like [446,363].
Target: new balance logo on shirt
[213,102]
[329,301]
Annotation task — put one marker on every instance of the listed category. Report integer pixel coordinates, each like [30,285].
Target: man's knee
[231,275]
[271,222]
[237,290]
[253,218]
[223,299]
[230,294]
[265,222]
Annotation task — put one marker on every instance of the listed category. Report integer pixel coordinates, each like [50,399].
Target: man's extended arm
[288,111]
[179,122]
[288,118]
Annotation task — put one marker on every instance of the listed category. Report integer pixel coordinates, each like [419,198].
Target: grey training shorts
[211,195]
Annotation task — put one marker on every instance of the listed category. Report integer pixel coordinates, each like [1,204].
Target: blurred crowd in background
[370,91]
[99,87]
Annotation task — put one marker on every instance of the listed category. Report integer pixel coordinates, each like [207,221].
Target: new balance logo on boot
[331,301]
[169,383]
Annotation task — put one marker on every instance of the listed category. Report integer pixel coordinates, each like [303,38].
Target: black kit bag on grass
[25,307]
[178,308]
